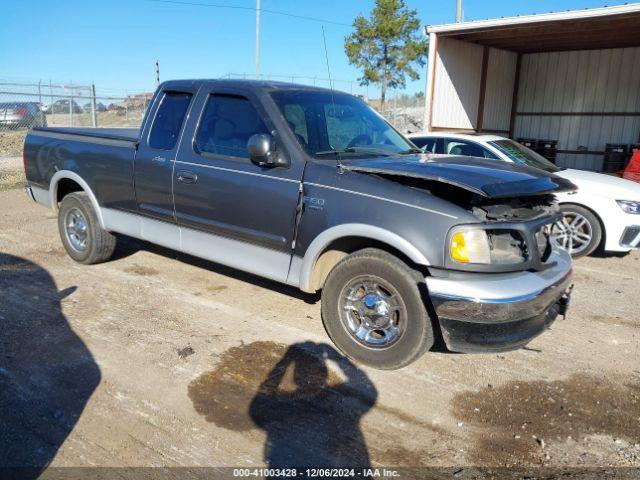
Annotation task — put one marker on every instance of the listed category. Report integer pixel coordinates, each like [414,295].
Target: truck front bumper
[500,312]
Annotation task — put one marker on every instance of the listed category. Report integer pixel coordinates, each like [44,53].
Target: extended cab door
[157,150]
[233,211]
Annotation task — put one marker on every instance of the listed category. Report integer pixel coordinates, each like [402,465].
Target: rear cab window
[168,120]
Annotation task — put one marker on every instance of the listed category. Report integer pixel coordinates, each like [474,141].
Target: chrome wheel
[573,233]
[372,312]
[76,229]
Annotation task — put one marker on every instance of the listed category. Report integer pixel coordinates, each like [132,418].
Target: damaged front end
[517,230]
[515,208]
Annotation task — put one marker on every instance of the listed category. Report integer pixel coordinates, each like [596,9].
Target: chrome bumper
[497,312]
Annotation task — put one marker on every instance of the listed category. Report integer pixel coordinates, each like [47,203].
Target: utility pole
[458,11]
[257,39]
[94,106]
[156,73]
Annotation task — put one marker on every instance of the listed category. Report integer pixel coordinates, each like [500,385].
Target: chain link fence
[24,105]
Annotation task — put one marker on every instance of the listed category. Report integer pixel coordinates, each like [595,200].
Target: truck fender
[322,241]
[53,191]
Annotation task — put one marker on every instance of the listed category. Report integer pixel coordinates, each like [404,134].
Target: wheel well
[603,232]
[341,247]
[65,187]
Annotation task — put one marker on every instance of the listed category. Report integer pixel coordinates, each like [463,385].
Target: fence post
[71,106]
[50,97]
[94,112]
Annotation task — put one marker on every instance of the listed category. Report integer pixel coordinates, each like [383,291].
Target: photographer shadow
[47,374]
[315,422]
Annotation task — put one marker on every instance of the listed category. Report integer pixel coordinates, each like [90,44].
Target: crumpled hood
[488,178]
[607,186]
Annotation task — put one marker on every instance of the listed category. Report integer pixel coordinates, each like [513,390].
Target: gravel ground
[160,359]
[11,173]
[11,142]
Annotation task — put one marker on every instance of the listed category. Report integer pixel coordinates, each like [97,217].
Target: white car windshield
[523,155]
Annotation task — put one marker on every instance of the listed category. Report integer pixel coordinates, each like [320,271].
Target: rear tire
[384,322]
[580,232]
[82,236]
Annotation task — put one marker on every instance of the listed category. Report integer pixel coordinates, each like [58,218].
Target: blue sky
[115,42]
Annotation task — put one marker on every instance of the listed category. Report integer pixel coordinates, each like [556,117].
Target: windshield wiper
[335,152]
[358,149]
[411,150]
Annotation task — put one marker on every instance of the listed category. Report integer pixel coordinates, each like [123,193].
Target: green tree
[388,46]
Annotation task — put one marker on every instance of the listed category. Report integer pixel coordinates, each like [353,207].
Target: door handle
[187,177]
[158,159]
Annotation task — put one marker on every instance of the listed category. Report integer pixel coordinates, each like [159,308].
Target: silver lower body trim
[39,195]
[261,261]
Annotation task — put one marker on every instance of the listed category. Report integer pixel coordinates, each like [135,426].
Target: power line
[238,7]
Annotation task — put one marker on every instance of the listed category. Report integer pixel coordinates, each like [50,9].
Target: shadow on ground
[310,413]
[128,246]
[47,374]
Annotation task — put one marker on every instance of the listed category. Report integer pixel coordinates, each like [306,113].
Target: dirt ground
[11,142]
[160,359]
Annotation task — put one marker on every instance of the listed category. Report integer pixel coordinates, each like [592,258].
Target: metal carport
[571,77]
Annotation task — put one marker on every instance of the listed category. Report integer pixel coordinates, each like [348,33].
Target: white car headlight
[629,206]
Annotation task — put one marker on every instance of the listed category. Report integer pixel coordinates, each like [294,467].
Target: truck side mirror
[262,152]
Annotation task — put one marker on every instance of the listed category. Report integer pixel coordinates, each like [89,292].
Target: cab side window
[465,148]
[227,123]
[168,120]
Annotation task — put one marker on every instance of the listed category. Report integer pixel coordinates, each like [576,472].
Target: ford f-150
[312,188]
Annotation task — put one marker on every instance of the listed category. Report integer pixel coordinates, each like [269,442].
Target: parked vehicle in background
[604,211]
[115,107]
[62,106]
[21,115]
[99,107]
[312,188]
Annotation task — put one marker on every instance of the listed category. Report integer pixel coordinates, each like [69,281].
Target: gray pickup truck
[312,188]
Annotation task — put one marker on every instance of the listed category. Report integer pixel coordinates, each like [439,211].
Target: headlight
[629,206]
[487,246]
[470,246]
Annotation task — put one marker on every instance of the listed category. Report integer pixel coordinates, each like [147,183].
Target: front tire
[82,236]
[579,232]
[373,310]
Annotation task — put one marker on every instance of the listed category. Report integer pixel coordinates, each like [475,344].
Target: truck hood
[488,178]
[607,186]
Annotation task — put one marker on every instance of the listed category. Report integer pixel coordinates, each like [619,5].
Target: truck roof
[242,83]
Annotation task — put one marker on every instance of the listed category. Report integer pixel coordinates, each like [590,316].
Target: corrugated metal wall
[501,72]
[580,81]
[457,84]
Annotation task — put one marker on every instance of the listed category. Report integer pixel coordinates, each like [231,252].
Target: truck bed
[125,134]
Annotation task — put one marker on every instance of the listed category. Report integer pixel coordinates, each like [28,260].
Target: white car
[604,212]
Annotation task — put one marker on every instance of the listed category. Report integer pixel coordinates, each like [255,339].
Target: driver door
[231,210]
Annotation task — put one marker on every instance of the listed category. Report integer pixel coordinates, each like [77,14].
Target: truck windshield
[334,124]
[523,155]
